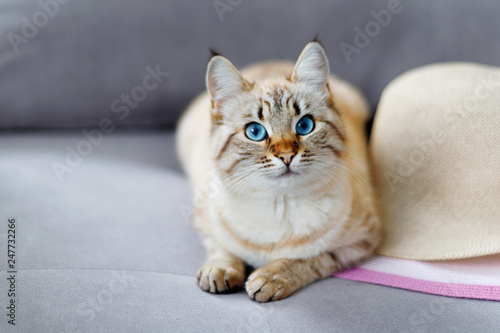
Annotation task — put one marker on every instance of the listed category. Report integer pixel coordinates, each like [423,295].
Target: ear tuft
[213,53]
[316,39]
[223,79]
[312,66]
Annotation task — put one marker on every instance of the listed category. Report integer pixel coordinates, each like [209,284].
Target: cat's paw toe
[265,286]
[216,279]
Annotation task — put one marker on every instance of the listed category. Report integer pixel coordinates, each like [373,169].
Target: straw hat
[435,147]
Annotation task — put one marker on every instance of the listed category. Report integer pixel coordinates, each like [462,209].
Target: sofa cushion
[109,248]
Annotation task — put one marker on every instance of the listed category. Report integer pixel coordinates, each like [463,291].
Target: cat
[279,151]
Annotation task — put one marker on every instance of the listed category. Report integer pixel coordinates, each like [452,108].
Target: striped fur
[295,224]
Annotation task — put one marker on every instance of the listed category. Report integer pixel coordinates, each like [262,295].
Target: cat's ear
[312,66]
[224,80]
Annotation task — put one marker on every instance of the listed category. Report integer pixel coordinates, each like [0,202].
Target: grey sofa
[89,95]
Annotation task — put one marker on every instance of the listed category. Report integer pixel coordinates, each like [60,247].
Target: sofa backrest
[67,64]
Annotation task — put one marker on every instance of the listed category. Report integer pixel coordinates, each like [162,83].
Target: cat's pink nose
[286,156]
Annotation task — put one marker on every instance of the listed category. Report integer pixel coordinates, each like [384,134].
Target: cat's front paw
[269,284]
[219,278]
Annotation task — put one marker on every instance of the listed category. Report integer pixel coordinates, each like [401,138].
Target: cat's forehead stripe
[277,99]
[296,108]
[277,95]
[268,105]
[259,113]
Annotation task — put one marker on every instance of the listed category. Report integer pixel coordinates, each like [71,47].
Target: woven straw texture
[436,152]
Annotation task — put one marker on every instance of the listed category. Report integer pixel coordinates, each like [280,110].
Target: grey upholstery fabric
[109,249]
[86,54]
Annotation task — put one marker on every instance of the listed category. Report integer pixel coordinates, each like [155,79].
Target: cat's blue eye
[304,126]
[256,132]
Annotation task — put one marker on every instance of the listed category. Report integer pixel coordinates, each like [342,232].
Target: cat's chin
[287,174]
[287,180]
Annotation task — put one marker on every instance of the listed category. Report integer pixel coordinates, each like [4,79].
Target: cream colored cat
[277,157]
